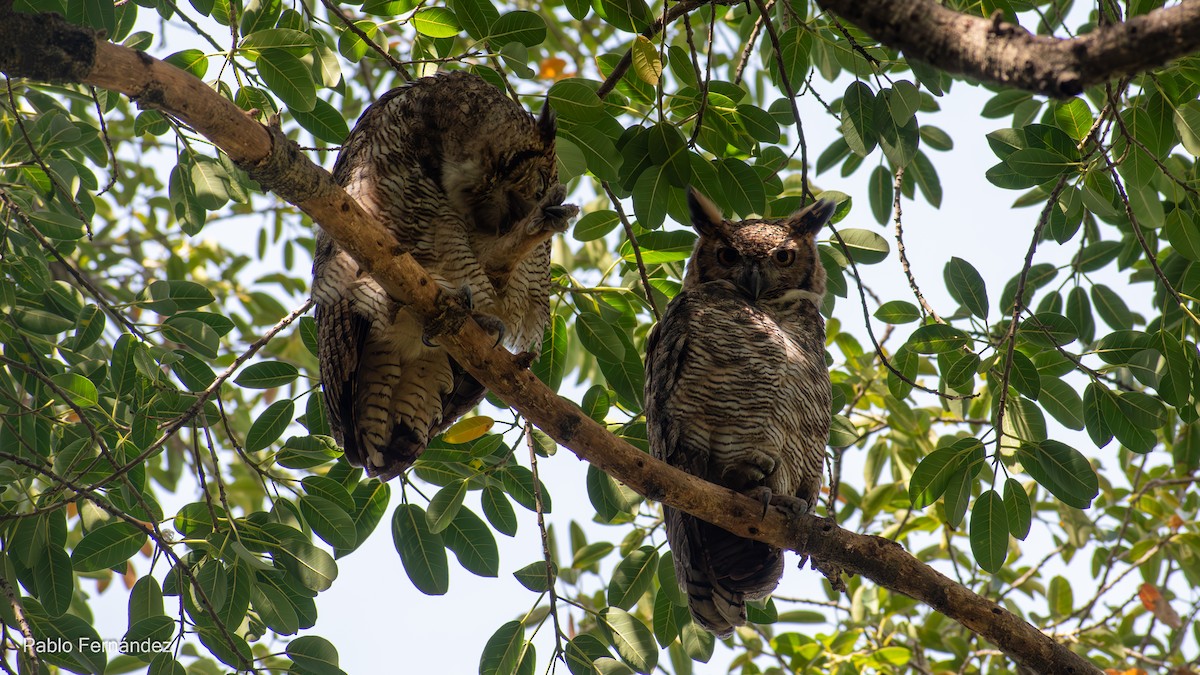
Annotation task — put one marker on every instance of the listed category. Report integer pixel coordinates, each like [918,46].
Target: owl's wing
[666,360]
[341,335]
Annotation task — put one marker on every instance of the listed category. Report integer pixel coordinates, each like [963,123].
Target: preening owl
[737,393]
[467,182]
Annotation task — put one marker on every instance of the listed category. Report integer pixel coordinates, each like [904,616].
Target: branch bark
[1002,53]
[47,48]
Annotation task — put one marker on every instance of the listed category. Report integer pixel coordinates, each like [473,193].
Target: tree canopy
[161,424]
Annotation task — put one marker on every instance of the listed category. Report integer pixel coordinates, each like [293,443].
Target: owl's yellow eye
[785,257]
[727,256]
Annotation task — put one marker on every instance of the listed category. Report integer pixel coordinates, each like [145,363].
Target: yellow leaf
[645,60]
[465,431]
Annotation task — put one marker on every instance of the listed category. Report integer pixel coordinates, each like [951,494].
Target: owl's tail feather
[723,571]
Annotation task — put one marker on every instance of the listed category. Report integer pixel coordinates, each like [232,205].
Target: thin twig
[34,664]
[545,537]
[637,250]
[791,96]
[1010,338]
[902,252]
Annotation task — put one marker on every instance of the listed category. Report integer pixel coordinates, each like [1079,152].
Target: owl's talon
[491,324]
[551,215]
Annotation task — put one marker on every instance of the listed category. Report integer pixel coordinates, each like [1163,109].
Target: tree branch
[1002,53]
[277,164]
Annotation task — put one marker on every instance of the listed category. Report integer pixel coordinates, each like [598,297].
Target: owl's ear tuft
[706,217]
[547,123]
[810,219]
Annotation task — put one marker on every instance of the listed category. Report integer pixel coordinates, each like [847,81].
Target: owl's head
[509,175]
[763,259]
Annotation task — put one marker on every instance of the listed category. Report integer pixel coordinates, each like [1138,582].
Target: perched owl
[467,182]
[737,393]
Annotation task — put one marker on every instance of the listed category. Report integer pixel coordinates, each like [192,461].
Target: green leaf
[192,61]
[437,22]
[476,16]
[937,338]
[1183,232]
[78,389]
[574,99]
[313,655]
[1111,307]
[329,521]
[1039,165]
[499,510]
[989,531]
[551,365]
[107,546]
[1062,470]
[527,28]
[534,576]
[1074,117]
[631,638]
[590,554]
[632,577]
[897,312]
[473,544]
[743,188]
[880,194]
[297,42]
[518,482]
[324,122]
[503,650]
[1187,123]
[858,123]
[794,47]
[289,79]
[1060,400]
[169,297]
[445,505]
[1024,420]
[270,425]
[313,568]
[422,551]
[966,286]
[630,16]
[1016,505]
[932,475]
[267,374]
[54,580]
[864,246]
[274,609]
[57,225]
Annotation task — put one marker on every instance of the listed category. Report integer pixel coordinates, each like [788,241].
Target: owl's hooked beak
[752,282]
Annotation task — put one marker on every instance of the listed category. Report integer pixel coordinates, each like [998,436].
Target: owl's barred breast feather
[466,180]
[737,392]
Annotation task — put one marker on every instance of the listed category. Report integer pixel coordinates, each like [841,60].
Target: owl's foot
[793,507]
[551,215]
[457,306]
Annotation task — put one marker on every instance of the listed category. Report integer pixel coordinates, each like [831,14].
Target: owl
[467,182]
[737,392]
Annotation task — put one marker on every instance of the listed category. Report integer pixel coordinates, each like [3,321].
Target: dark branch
[1002,53]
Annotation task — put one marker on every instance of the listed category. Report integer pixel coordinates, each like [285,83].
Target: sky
[381,623]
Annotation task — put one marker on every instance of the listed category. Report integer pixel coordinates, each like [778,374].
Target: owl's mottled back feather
[737,392]
[466,180]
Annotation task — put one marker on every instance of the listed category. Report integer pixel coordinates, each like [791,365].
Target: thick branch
[1001,53]
[279,166]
